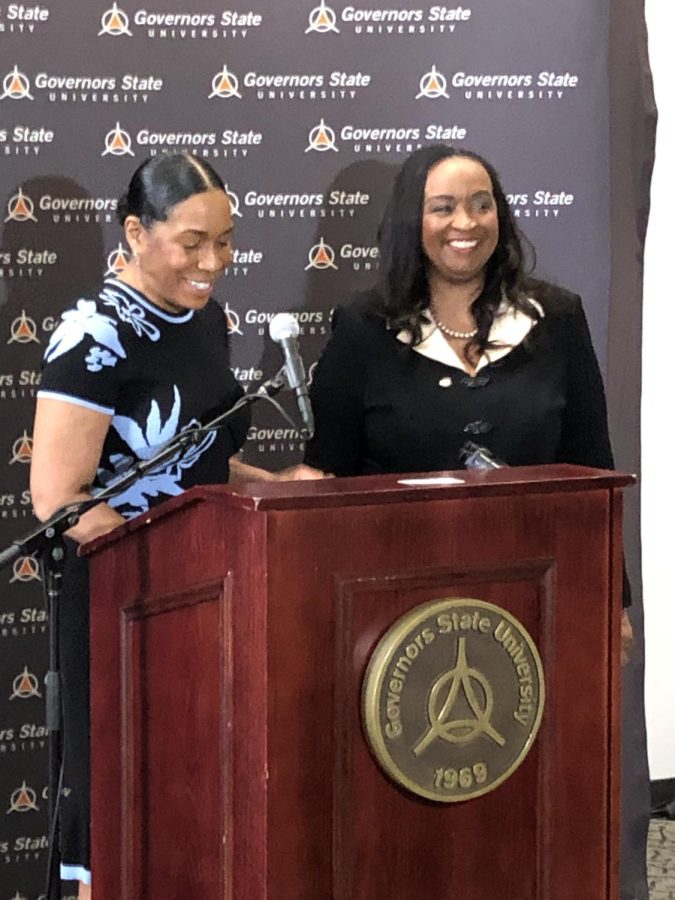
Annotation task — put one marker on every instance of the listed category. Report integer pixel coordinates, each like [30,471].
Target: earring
[137,259]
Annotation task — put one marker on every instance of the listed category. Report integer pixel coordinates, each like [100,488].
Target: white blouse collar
[509,328]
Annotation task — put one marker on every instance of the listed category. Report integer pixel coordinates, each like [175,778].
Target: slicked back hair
[162,182]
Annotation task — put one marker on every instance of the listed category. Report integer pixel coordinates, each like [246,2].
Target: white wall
[658,410]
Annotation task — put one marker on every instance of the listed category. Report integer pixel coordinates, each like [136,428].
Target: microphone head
[476,457]
[283,326]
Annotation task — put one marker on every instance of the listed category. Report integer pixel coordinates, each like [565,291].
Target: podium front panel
[384,841]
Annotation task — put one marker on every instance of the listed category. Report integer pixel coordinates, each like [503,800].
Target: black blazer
[382,407]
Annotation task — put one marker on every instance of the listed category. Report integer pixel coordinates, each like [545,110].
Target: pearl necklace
[450,332]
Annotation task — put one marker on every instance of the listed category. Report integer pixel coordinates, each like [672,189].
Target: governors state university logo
[25,686]
[453,698]
[16,86]
[20,208]
[386,21]
[185,24]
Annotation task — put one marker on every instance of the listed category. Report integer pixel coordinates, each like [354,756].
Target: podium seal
[453,698]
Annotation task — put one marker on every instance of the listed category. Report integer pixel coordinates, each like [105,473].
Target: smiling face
[460,226]
[180,258]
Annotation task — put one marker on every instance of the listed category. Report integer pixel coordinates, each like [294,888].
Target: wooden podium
[231,628]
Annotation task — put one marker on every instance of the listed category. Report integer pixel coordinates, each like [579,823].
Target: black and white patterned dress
[156,374]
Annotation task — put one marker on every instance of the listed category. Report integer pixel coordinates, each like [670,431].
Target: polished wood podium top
[368,489]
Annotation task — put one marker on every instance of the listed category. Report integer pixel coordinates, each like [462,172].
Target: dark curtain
[632,137]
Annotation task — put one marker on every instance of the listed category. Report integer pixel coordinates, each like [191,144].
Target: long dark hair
[161,182]
[403,287]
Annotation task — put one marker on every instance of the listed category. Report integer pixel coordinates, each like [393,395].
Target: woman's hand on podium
[301,473]
[241,471]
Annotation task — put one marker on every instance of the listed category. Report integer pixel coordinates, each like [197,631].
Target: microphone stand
[47,541]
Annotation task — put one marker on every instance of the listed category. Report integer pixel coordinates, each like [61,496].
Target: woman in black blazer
[456,342]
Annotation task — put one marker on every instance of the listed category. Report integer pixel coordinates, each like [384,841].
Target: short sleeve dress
[156,374]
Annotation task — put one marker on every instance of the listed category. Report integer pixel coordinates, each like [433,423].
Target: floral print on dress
[131,312]
[98,357]
[145,440]
[83,320]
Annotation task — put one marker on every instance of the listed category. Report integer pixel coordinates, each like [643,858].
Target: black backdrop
[306,110]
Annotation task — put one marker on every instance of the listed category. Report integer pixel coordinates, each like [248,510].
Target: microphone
[476,457]
[284,331]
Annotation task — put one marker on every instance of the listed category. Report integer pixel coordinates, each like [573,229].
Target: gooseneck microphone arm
[69,515]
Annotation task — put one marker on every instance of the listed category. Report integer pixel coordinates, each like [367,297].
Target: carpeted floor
[661,860]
